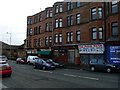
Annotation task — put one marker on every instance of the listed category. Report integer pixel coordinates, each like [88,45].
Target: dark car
[20,61]
[41,64]
[102,65]
[56,64]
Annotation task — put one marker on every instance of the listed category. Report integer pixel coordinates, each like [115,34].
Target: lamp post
[10,43]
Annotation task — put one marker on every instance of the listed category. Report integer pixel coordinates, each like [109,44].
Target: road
[24,76]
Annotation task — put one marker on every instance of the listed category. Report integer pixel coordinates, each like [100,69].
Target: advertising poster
[113,54]
[91,49]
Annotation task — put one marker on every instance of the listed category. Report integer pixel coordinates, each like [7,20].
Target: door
[71,56]
[101,64]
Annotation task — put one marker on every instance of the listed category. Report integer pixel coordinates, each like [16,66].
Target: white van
[31,59]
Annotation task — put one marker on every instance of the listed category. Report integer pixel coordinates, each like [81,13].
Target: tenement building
[75,32]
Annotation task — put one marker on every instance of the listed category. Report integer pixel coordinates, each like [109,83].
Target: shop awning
[44,52]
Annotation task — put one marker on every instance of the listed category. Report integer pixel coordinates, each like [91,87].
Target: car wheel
[9,75]
[92,68]
[34,66]
[44,67]
[29,62]
[108,69]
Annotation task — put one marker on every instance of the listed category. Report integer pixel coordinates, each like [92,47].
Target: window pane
[60,22]
[100,33]
[93,13]
[47,27]
[68,6]
[50,13]
[78,18]
[71,37]
[68,20]
[50,39]
[56,9]
[114,29]
[68,37]
[50,26]
[78,35]
[78,3]
[40,17]
[46,40]
[71,20]
[56,25]
[47,13]
[60,38]
[56,38]
[100,12]
[114,8]
[61,8]
[94,33]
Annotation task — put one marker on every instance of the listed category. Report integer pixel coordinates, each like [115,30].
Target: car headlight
[114,66]
[48,64]
[57,64]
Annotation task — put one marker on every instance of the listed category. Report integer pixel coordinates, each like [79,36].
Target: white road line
[46,71]
[82,77]
[89,78]
[70,75]
[43,71]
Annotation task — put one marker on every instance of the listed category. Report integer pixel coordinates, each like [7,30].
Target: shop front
[90,52]
[44,53]
[31,52]
[67,54]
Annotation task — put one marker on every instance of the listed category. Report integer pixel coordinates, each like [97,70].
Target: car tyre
[9,75]
[29,62]
[92,68]
[34,66]
[44,67]
[108,69]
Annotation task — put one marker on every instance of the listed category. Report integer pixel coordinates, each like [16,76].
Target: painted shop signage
[91,49]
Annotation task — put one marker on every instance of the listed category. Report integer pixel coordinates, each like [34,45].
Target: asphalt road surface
[25,76]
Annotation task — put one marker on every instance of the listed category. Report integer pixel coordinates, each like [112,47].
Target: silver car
[3,58]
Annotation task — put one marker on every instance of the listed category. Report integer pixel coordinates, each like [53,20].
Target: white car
[3,58]
[31,59]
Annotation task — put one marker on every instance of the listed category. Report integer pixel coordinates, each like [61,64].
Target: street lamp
[10,44]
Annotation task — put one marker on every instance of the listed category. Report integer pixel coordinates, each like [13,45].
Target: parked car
[31,59]
[102,65]
[20,61]
[3,58]
[41,64]
[56,64]
[5,69]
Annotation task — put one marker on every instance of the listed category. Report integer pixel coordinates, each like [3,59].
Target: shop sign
[91,49]
[113,53]
[45,50]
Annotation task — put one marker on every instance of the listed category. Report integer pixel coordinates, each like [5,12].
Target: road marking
[70,75]
[82,77]
[46,71]
[43,71]
[89,78]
